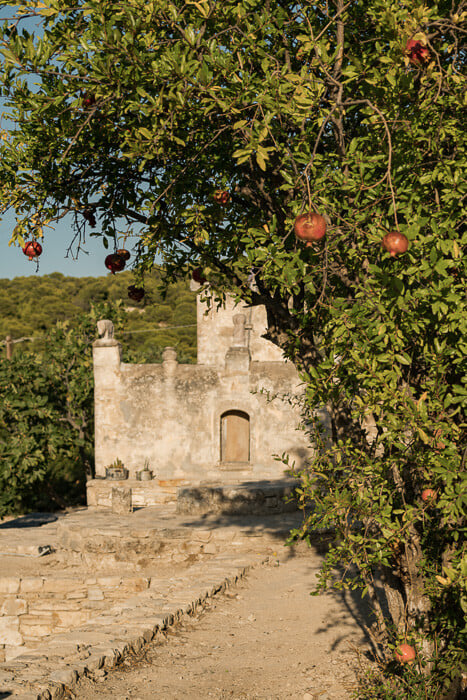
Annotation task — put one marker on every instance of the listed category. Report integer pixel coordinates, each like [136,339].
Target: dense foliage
[47,417]
[207,128]
[30,307]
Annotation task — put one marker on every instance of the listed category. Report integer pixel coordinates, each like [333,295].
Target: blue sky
[13,263]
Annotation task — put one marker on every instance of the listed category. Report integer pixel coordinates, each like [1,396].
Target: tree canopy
[31,306]
[206,129]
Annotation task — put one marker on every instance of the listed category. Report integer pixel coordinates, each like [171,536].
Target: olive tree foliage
[140,111]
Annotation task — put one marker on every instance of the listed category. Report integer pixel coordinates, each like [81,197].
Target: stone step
[249,498]
[162,534]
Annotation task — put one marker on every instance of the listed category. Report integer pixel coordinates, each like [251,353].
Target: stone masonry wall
[35,607]
[170,414]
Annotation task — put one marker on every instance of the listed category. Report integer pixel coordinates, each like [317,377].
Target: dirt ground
[266,639]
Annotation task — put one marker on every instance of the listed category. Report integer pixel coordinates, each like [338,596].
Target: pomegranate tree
[197,276]
[124,254]
[222,197]
[428,495]
[88,215]
[89,99]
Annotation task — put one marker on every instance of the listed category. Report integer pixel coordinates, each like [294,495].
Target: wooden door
[235,437]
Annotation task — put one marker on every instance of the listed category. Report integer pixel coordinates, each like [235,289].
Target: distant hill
[29,306]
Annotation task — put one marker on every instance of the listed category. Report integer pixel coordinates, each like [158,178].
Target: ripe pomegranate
[197,276]
[428,495]
[395,243]
[32,249]
[222,197]
[89,100]
[405,654]
[417,52]
[88,214]
[123,253]
[310,227]
[135,293]
[114,263]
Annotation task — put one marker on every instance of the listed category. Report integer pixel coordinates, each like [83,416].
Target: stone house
[209,423]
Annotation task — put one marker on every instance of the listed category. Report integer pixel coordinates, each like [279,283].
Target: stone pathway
[112,585]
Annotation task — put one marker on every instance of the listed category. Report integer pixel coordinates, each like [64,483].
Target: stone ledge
[249,498]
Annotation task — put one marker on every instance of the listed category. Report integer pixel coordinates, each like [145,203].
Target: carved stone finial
[169,361]
[239,334]
[169,355]
[105,329]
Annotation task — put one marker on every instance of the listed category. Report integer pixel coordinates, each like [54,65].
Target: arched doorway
[235,437]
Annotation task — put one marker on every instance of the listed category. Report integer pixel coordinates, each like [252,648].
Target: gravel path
[265,639]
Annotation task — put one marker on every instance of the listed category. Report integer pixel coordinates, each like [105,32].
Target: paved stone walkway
[81,592]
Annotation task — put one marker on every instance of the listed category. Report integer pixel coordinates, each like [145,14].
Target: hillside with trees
[31,306]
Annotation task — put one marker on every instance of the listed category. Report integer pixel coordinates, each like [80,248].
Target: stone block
[34,630]
[95,662]
[68,619]
[77,595]
[135,583]
[95,593]
[210,548]
[109,581]
[67,676]
[9,584]
[51,606]
[9,631]
[60,585]
[31,584]
[13,652]
[14,606]
[38,616]
[121,500]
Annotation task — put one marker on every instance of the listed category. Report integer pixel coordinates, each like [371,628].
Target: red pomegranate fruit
[405,654]
[114,263]
[417,52]
[123,253]
[428,495]
[32,249]
[135,293]
[395,243]
[88,99]
[310,227]
[197,276]
[222,197]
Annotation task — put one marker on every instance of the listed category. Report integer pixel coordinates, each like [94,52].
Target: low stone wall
[34,607]
[261,498]
[147,493]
